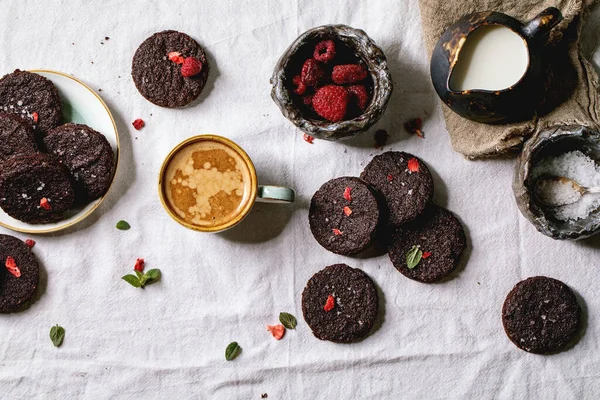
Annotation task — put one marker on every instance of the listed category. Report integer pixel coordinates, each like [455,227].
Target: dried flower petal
[347,193]
[413,165]
[276,330]
[11,266]
[308,139]
[347,211]
[329,304]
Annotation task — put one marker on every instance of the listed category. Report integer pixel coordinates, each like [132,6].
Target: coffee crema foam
[207,183]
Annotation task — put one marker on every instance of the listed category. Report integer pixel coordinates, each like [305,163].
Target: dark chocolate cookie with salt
[541,315]
[352,310]
[344,216]
[440,237]
[18,279]
[159,79]
[35,189]
[16,137]
[32,97]
[404,181]
[88,156]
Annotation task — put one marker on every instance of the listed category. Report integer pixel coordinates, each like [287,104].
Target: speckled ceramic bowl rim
[253,183]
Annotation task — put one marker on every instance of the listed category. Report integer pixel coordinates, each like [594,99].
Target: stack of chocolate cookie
[391,202]
[46,169]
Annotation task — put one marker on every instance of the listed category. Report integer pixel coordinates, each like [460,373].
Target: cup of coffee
[208,183]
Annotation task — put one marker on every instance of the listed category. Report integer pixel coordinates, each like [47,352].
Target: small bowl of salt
[557,182]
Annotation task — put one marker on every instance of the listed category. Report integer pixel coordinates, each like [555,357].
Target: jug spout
[542,24]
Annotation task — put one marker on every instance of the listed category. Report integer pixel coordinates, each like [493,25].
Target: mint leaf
[413,257]
[57,334]
[139,274]
[132,280]
[153,275]
[288,320]
[123,225]
[232,351]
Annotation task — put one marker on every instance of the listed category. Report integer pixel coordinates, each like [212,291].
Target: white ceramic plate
[82,105]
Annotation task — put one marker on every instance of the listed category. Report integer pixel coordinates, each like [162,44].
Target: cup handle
[275,194]
[541,25]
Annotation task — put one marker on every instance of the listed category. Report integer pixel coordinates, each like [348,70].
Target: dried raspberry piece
[307,100]
[336,231]
[390,178]
[329,304]
[347,193]
[191,66]
[426,255]
[45,204]
[312,73]
[139,265]
[35,117]
[324,51]
[138,124]
[276,330]
[30,243]
[413,165]
[308,139]
[348,73]
[11,266]
[175,56]
[360,95]
[347,211]
[331,102]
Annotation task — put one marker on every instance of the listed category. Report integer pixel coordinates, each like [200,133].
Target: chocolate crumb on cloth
[404,181]
[35,189]
[344,215]
[441,238]
[88,156]
[32,97]
[18,276]
[340,304]
[572,96]
[159,79]
[541,315]
[16,137]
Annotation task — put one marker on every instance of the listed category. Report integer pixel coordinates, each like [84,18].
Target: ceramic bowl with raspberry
[333,82]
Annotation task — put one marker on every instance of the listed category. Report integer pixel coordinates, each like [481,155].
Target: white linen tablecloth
[168,341]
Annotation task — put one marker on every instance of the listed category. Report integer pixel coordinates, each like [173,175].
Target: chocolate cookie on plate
[35,189]
[404,181]
[32,97]
[344,215]
[19,274]
[170,69]
[340,304]
[541,315]
[439,238]
[16,137]
[88,156]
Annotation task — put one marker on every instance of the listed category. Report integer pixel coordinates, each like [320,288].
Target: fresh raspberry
[139,265]
[11,266]
[348,73]
[191,66]
[138,124]
[312,73]
[360,95]
[276,330]
[45,204]
[300,86]
[30,243]
[176,57]
[324,51]
[329,304]
[331,102]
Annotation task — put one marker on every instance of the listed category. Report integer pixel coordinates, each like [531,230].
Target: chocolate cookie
[16,137]
[32,97]
[88,156]
[344,215]
[439,235]
[340,304]
[35,189]
[18,279]
[541,315]
[404,181]
[159,79]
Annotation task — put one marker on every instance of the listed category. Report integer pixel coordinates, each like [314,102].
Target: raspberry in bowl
[333,82]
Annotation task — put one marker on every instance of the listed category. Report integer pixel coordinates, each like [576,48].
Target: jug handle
[541,25]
